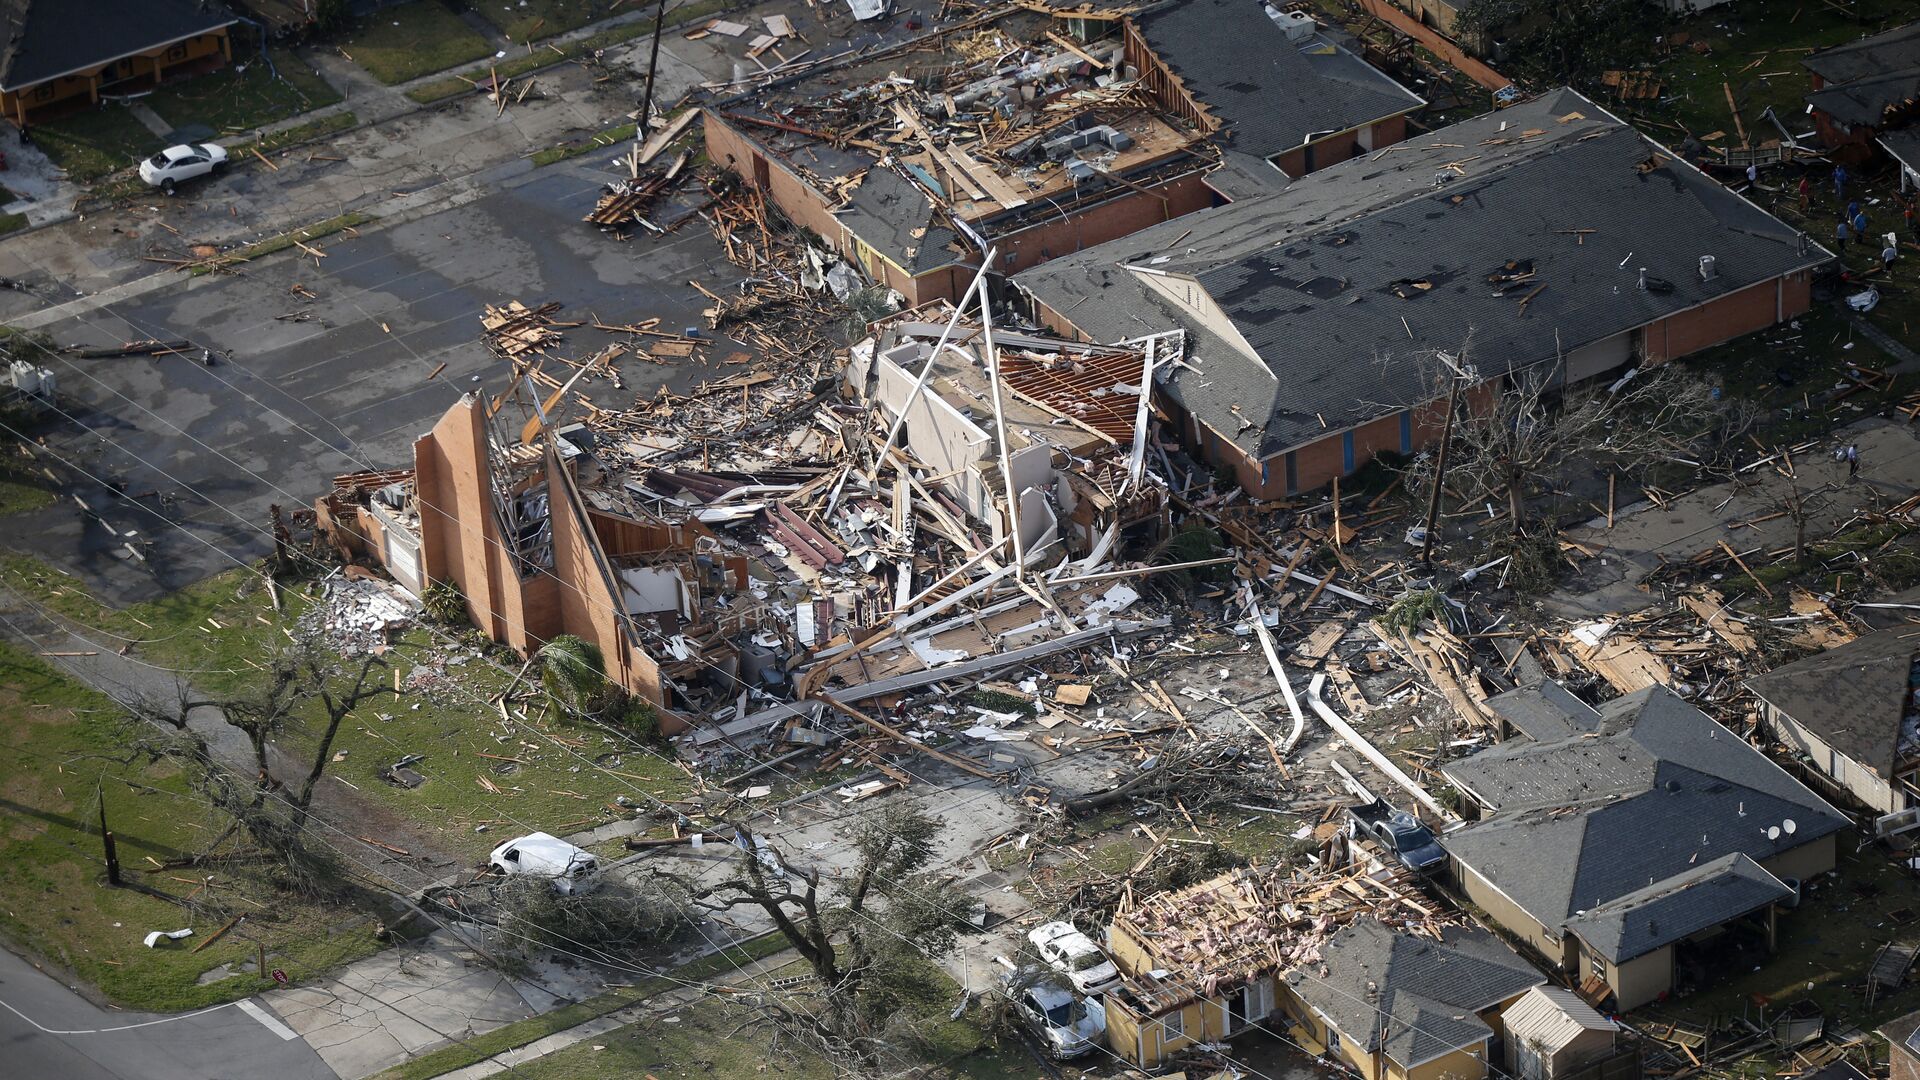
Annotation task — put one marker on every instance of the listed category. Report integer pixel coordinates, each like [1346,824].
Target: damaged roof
[1851,697]
[890,214]
[1271,94]
[1865,78]
[44,39]
[1337,284]
[1407,995]
[1658,790]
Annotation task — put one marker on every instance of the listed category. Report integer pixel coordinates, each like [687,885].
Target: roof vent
[1706,268]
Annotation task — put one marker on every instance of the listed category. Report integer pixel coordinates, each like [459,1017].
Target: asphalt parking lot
[147,443]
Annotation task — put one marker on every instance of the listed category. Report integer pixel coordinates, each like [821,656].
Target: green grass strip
[284,241]
[547,56]
[520,1033]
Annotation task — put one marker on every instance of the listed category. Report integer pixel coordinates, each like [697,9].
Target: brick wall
[1753,308]
[1128,213]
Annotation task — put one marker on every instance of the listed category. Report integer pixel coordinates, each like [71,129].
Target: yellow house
[1406,1004]
[58,55]
[1200,965]
[1636,846]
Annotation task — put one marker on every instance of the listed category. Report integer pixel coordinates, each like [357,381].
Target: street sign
[280,976]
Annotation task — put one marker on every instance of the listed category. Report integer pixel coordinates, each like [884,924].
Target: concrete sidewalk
[1644,535]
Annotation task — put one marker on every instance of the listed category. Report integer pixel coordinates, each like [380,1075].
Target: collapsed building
[1033,135]
[766,572]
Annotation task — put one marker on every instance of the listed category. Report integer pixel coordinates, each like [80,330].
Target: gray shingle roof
[1852,697]
[1305,274]
[1685,904]
[1407,995]
[1545,710]
[1271,93]
[886,210]
[40,39]
[1865,78]
[1904,145]
[1658,791]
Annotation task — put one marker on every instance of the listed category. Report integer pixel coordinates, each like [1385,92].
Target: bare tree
[1528,434]
[271,810]
[867,937]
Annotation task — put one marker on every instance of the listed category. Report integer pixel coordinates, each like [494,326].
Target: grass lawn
[92,143]
[231,101]
[1756,53]
[531,20]
[534,59]
[542,770]
[1824,950]
[65,754]
[712,1038]
[400,43]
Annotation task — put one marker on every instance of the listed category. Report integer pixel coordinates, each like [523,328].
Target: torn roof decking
[1270,94]
[834,125]
[1305,276]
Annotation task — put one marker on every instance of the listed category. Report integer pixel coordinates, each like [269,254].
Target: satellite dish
[1773,833]
[1788,826]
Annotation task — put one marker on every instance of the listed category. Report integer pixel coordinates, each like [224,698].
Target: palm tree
[573,673]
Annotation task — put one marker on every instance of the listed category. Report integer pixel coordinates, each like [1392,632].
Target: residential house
[1547,239]
[1638,846]
[1850,716]
[1553,1035]
[1903,1046]
[1199,964]
[60,55]
[1071,131]
[1399,1005]
[1865,88]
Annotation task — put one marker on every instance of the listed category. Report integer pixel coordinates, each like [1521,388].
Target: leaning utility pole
[1440,463]
[653,65]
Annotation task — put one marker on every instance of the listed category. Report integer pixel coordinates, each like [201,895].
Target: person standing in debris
[1840,183]
[1860,226]
[1913,223]
[1806,193]
[1853,462]
[1840,237]
[1753,175]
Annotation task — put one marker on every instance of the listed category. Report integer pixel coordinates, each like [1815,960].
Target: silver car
[1068,1023]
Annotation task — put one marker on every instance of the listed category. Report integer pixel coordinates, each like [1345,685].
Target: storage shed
[1551,1033]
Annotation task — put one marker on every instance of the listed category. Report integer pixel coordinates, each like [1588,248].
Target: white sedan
[183,162]
[1073,954]
[539,854]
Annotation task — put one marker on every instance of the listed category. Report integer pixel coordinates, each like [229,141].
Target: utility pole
[106,837]
[1440,463]
[653,65]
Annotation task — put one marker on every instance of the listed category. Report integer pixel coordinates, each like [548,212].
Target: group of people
[1852,225]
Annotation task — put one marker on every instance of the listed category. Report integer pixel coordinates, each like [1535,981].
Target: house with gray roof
[1865,87]
[1849,715]
[1548,240]
[1398,1005]
[1632,839]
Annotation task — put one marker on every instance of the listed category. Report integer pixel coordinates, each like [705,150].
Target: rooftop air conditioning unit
[1299,25]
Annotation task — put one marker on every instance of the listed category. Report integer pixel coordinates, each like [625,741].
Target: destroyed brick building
[1635,846]
[1034,136]
[1547,236]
